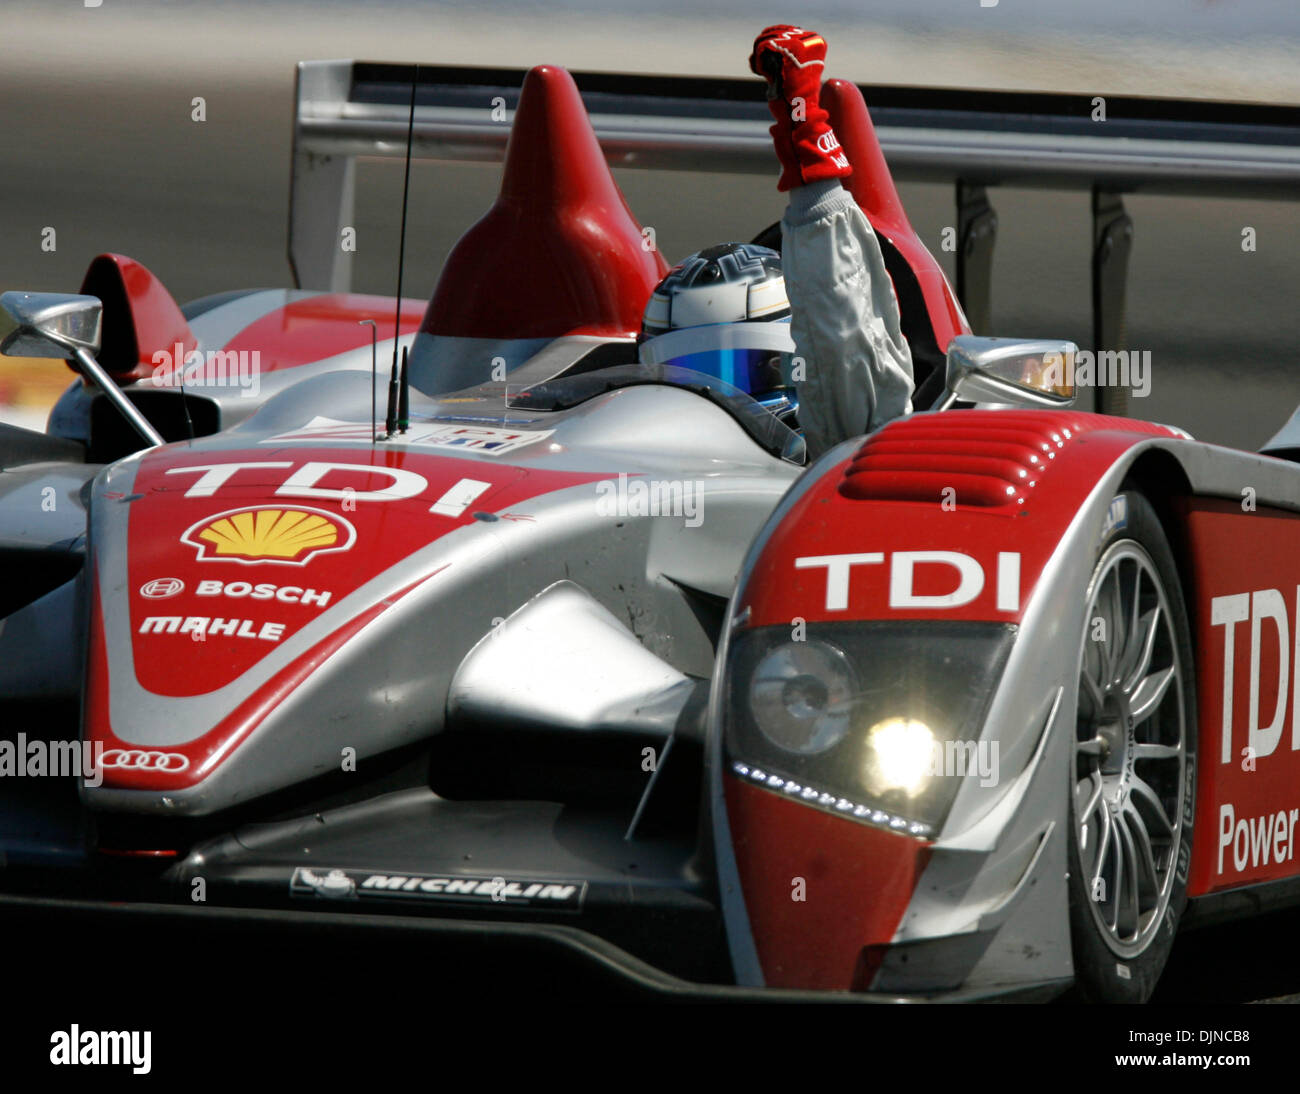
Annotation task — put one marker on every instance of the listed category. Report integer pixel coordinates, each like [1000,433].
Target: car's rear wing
[1108,145]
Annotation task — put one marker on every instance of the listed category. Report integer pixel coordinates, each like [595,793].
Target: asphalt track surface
[1253,961]
[98,142]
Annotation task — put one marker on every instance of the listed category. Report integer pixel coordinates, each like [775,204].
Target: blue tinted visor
[753,371]
[754,357]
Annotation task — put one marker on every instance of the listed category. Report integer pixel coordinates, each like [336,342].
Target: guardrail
[975,139]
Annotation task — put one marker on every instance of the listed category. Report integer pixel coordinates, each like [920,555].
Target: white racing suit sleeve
[857,368]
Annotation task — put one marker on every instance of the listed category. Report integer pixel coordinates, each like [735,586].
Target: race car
[529,635]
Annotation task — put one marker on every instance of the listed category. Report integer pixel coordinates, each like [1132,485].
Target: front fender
[972,517]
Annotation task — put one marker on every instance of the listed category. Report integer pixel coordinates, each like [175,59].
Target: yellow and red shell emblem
[269,534]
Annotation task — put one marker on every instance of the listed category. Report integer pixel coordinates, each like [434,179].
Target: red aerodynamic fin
[559,251]
[140,317]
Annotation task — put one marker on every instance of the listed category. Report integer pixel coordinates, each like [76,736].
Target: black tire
[1131,763]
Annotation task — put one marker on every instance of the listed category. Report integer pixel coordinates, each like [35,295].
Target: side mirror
[1021,371]
[48,324]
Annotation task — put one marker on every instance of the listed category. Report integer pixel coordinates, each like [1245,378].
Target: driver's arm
[857,368]
[843,317]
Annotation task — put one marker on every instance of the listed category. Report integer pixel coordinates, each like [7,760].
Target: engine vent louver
[985,459]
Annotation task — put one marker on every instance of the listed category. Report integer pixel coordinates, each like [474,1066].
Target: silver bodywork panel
[638,567]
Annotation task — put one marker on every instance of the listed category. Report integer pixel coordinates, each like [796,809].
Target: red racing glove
[791,60]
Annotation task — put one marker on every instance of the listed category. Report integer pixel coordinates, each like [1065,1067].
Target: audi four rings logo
[162,587]
[135,759]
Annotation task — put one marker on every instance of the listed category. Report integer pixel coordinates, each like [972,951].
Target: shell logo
[269,534]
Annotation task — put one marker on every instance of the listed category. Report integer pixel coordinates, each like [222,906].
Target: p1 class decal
[139,759]
[161,588]
[489,440]
[501,892]
[289,536]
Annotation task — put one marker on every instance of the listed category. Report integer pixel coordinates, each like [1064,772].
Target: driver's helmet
[723,312]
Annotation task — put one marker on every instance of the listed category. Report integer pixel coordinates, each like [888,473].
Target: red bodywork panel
[1019,477]
[140,319]
[1248,790]
[1032,468]
[857,882]
[306,331]
[559,252]
[289,554]
[205,753]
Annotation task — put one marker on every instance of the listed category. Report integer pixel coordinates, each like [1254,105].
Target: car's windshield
[563,392]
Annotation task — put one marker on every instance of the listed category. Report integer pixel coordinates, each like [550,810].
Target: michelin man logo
[335,885]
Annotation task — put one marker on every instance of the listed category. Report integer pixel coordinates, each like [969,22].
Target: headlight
[799,696]
[861,719]
[900,756]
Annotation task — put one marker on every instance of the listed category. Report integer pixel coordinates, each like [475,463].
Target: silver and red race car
[536,640]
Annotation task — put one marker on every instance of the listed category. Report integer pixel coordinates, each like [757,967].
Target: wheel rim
[1130,753]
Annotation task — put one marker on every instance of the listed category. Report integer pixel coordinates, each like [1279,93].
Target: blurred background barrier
[162,131]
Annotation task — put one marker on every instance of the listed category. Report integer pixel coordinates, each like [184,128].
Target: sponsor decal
[828,142]
[1265,610]
[285,594]
[485,439]
[1245,618]
[334,885]
[459,498]
[139,759]
[160,588]
[267,534]
[1254,842]
[366,885]
[198,627]
[1116,517]
[965,571]
[302,483]
[488,440]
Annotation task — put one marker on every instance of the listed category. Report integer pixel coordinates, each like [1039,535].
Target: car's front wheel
[1133,762]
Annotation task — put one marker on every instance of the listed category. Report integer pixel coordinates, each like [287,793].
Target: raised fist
[791,60]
